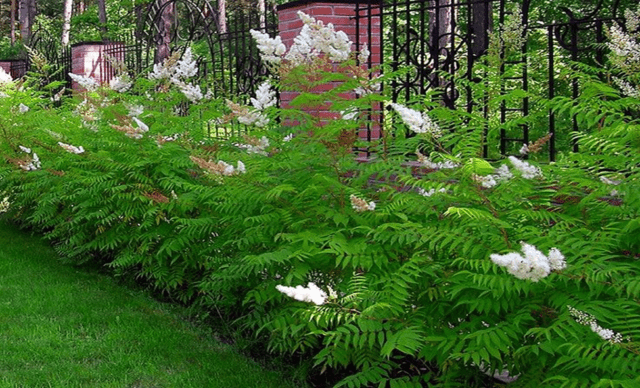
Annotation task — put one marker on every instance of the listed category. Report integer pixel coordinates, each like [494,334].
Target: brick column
[92,59]
[16,68]
[340,13]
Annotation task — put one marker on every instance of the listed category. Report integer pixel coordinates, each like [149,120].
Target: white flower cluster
[186,67]
[32,164]
[265,97]
[311,294]
[135,110]
[426,162]
[632,19]
[229,170]
[524,149]
[142,128]
[120,83]
[314,39]
[532,264]
[219,168]
[502,174]
[431,192]
[416,121]
[625,51]
[288,138]
[23,108]
[5,204]
[271,50]
[360,205]
[5,78]
[364,54]
[258,147]
[176,71]
[528,171]
[89,83]
[627,88]
[589,320]
[70,148]
[607,181]
[192,92]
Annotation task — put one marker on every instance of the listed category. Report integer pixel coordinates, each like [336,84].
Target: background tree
[66,25]
[102,16]
[27,14]
[164,24]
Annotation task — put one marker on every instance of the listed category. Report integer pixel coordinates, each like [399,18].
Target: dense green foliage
[414,297]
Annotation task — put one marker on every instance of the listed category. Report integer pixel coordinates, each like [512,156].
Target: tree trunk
[165,22]
[482,24]
[66,26]
[440,21]
[222,16]
[13,22]
[26,14]
[102,17]
[262,9]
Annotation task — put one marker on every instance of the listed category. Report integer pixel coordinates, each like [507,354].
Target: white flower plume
[142,126]
[5,77]
[587,319]
[271,50]
[416,121]
[89,83]
[531,264]
[121,83]
[528,171]
[71,149]
[314,39]
[360,205]
[30,165]
[265,96]
[311,293]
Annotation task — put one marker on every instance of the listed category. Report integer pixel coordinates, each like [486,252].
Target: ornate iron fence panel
[229,63]
[442,46]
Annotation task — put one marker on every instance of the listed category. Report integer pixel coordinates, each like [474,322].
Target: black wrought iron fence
[56,55]
[234,68]
[443,46]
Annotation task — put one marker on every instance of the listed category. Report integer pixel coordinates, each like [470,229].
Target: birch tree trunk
[66,25]
[262,9]
[222,16]
[13,22]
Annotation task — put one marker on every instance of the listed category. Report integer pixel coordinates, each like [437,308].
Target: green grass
[61,326]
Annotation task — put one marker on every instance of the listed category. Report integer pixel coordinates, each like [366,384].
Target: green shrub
[439,271]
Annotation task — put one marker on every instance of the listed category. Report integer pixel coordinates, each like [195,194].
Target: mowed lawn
[61,326]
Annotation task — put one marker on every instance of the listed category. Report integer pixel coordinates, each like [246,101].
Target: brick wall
[16,68]
[341,13]
[91,59]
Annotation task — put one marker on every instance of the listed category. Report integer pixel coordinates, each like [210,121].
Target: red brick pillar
[93,59]
[16,68]
[340,13]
